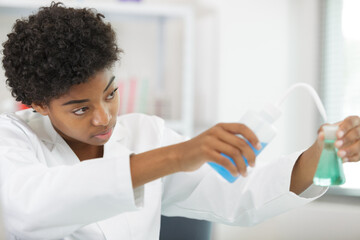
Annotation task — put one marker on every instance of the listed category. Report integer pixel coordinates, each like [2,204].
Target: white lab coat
[47,193]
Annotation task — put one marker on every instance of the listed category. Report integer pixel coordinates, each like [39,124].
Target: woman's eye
[112,94]
[80,111]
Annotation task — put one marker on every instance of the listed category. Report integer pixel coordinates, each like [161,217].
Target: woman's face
[87,112]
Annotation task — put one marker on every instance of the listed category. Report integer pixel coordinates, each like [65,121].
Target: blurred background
[198,62]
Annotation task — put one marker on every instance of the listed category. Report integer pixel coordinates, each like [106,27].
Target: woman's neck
[85,151]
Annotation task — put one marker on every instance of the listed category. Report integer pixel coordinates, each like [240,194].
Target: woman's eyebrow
[76,101]
[87,100]
[111,80]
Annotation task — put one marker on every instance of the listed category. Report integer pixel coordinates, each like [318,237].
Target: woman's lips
[104,135]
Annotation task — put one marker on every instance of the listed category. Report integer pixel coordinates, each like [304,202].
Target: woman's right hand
[208,146]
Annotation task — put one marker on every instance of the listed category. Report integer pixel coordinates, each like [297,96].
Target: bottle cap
[330,131]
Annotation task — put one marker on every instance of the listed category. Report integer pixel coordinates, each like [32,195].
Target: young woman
[71,169]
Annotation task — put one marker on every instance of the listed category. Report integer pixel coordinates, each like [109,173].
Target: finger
[243,130]
[231,152]
[353,158]
[346,125]
[224,161]
[321,135]
[240,144]
[238,163]
[349,138]
[248,153]
[349,151]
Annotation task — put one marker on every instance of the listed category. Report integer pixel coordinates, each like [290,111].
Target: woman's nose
[101,117]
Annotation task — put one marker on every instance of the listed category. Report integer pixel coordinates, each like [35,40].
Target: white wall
[265,46]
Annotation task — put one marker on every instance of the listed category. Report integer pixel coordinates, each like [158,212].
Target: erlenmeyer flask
[329,170]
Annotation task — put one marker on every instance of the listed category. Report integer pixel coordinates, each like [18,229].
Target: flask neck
[330,132]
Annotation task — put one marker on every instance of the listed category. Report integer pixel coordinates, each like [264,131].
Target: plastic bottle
[329,170]
[261,124]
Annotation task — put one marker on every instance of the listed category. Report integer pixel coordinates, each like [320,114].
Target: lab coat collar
[40,125]
[49,135]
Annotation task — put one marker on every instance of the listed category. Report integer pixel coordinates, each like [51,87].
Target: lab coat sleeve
[203,194]
[50,203]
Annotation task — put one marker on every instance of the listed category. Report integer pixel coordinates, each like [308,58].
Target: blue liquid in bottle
[224,172]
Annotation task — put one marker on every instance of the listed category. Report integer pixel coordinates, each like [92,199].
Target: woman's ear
[41,108]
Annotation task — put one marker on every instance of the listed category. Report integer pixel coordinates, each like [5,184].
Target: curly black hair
[54,49]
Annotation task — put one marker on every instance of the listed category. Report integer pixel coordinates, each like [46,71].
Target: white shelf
[123,8]
[139,11]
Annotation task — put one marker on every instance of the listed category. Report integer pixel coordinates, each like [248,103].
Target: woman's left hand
[347,143]
[348,139]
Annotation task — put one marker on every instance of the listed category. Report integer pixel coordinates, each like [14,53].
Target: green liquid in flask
[329,170]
